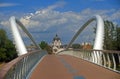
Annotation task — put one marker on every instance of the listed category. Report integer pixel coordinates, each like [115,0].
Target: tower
[56,43]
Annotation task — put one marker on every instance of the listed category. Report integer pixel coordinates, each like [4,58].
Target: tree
[111,36]
[43,45]
[7,49]
[46,47]
[76,46]
[109,39]
[117,42]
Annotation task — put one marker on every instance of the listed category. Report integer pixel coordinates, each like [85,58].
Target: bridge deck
[68,67]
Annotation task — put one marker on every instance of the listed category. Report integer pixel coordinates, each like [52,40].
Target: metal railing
[21,67]
[107,59]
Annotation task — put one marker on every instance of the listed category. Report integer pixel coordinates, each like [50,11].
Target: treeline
[7,49]
[112,36]
[44,46]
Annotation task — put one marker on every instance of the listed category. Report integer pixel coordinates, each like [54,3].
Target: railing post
[104,60]
[114,63]
[109,62]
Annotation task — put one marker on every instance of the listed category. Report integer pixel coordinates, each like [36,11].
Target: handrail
[23,64]
[109,59]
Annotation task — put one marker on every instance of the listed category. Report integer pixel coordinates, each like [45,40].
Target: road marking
[68,66]
[78,77]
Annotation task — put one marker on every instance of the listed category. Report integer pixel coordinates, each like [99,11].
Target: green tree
[117,41]
[76,46]
[46,47]
[110,35]
[43,45]
[7,49]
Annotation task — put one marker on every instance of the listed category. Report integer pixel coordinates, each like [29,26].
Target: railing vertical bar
[109,62]
[119,57]
[104,60]
[114,63]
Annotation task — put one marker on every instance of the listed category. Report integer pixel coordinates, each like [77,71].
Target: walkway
[68,67]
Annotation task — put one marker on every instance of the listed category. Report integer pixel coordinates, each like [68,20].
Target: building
[56,44]
[86,46]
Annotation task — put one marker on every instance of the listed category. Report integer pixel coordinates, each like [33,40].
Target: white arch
[17,37]
[99,39]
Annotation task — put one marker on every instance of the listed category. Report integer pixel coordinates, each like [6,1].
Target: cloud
[45,23]
[8,4]
[4,23]
[52,7]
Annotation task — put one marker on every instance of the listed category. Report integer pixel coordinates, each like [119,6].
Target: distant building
[56,43]
[86,46]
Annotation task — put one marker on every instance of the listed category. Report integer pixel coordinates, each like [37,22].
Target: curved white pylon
[17,37]
[99,39]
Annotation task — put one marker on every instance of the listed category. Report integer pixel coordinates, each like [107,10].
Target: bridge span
[66,64]
[70,64]
[69,67]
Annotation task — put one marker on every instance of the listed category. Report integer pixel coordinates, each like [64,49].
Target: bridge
[96,63]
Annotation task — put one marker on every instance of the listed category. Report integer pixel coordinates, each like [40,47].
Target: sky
[46,18]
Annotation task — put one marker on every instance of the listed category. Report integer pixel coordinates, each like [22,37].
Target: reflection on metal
[114,66]
[17,37]
[22,67]
[107,57]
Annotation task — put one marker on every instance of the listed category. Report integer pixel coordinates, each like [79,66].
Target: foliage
[7,49]
[117,43]
[112,36]
[46,47]
[76,46]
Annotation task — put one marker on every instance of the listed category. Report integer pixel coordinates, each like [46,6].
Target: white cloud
[8,4]
[49,8]
[64,23]
[5,23]
[116,15]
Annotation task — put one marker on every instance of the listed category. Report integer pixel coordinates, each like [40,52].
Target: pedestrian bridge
[66,64]
[69,64]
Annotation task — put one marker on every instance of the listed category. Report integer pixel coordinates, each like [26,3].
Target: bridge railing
[105,58]
[21,67]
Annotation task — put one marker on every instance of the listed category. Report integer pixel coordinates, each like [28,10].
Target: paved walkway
[68,67]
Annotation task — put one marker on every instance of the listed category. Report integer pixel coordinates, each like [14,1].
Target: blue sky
[70,5]
[45,18]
